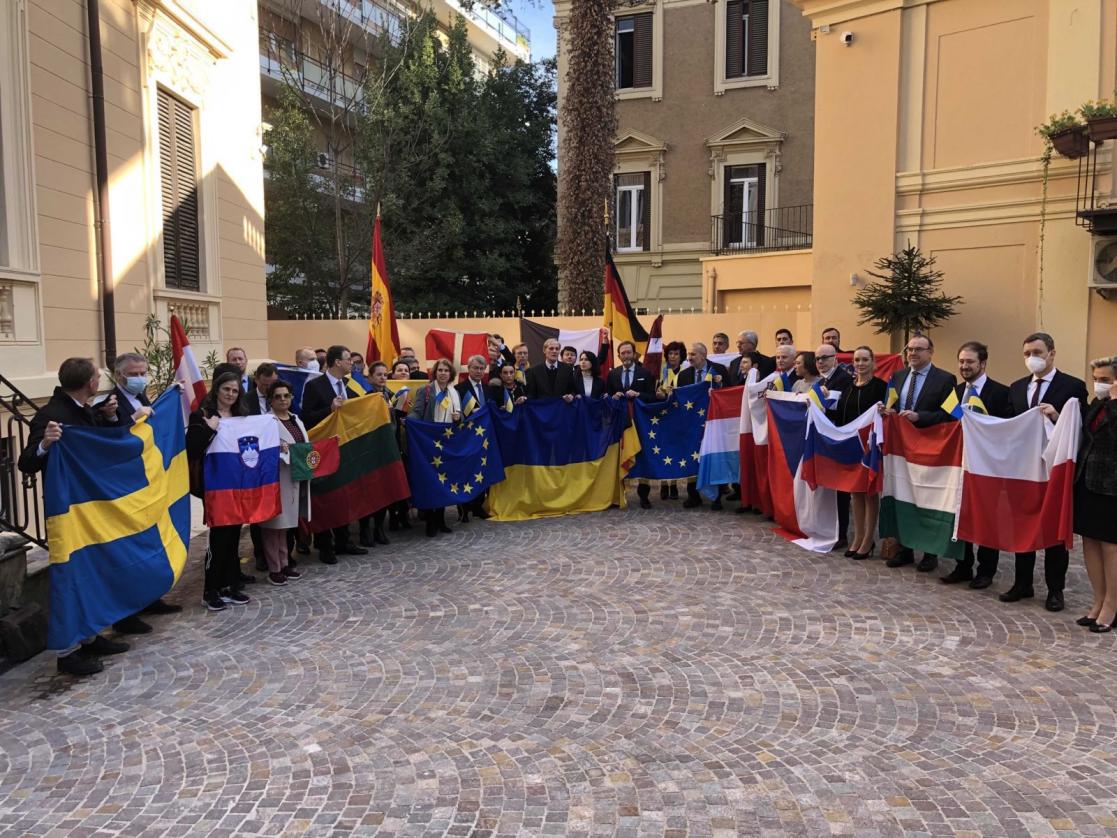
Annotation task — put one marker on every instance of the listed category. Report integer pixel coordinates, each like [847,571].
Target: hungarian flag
[370,475]
[620,317]
[456,347]
[314,459]
[1018,480]
[653,355]
[186,370]
[383,336]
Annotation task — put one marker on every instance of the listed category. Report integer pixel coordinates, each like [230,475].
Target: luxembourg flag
[186,370]
[754,447]
[1018,480]
[846,459]
[805,516]
[242,471]
[719,457]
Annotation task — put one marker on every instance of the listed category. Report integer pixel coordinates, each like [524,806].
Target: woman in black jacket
[1095,496]
[222,571]
[587,380]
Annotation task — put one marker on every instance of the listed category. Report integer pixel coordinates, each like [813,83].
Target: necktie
[1035,393]
[340,389]
[480,394]
[627,378]
[909,402]
[970,393]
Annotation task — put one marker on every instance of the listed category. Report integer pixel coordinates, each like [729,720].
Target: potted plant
[1101,119]
[1066,134]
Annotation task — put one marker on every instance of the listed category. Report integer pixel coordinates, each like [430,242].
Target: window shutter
[642,50]
[734,40]
[761,190]
[646,220]
[758,38]
[178,182]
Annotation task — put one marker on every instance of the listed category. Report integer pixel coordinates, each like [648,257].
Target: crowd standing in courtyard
[508,377]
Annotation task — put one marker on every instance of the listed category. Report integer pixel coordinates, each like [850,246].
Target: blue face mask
[135,384]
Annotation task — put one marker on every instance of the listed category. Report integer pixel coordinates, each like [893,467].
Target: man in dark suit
[239,358]
[552,378]
[474,390]
[1049,390]
[746,345]
[701,369]
[78,381]
[972,360]
[257,396]
[321,396]
[922,388]
[508,384]
[836,380]
[631,381]
[785,364]
[832,337]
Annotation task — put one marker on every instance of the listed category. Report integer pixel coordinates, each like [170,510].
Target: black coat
[1097,449]
[856,400]
[936,390]
[993,395]
[124,409]
[318,399]
[642,381]
[687,376]
[839,380]
[1062,389]
[252,401]
[597,387]
[496,394]
[543,383]
[464,387]
[64,410]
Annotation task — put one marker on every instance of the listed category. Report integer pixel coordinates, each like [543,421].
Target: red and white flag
[1018,480]
[456,347]
[653,355]
[186,370]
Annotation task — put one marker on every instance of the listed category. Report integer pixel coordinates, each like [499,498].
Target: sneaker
[214,602]
[276,579]
[291,573]
[79,665]
[234,598]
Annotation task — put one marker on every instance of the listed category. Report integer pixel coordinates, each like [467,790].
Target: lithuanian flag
[383,336]
[370,475]
[620,317]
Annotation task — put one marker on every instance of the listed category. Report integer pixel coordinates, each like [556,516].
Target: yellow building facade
[185,185]
[925,117]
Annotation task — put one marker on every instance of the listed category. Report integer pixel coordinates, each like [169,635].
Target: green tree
[908,296]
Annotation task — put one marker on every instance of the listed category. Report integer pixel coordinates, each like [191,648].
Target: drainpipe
[101,162]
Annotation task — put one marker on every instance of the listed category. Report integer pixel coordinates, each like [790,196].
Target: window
[178,181]
[633,49]
[743,218]
[19,249]
[633,211]
[746,38]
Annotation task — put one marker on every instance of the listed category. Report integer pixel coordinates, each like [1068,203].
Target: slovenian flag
[719,458]
[807,517]
[1018,480]
[242,472]
[846,458]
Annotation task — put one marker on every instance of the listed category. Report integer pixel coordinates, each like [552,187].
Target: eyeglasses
[918,349]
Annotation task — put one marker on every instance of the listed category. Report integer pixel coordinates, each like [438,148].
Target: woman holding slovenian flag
[438,402]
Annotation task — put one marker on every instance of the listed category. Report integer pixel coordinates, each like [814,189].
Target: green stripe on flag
[927,530]
[367,453]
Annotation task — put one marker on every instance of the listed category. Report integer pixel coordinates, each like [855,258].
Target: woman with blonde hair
[438,401]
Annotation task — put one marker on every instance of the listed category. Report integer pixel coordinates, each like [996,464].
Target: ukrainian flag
[823,400]
[117,502]
[559,458]
[891,396]
[952,405]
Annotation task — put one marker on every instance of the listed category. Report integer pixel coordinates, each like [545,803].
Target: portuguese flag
[370,474]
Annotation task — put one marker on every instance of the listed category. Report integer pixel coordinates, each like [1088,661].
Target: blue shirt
[916,379]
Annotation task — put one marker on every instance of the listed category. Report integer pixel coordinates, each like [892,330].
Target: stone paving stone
[627,673]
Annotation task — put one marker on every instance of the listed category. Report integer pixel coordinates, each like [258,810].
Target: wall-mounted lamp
[854,279]
[847,39]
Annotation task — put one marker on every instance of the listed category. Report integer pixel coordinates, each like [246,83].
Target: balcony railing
[21,496]
[313,77]
[777,228]
[501,21]
[374,17]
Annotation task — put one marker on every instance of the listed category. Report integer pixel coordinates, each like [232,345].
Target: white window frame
[18,211]
[772,79]
[635,219]
[751,186]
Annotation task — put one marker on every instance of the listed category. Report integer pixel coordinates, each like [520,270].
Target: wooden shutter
[178,180]
[734,39]
[642,50]
[646,219]
[761,190]
[758,38]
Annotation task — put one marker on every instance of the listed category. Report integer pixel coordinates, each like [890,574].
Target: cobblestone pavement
[631,673]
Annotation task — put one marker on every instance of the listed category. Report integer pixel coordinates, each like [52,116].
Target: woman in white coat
[294,494]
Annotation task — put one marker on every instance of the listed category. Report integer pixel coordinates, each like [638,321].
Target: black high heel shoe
[1086,622]
[868,555]
[1101,628]
[849,554]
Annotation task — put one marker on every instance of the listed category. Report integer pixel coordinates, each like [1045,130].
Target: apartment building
[714,147]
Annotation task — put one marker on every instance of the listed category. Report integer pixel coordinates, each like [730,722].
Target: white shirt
[263,401]
[132,400]
[333,386]
[977,386]
[1046,382]
[587,384]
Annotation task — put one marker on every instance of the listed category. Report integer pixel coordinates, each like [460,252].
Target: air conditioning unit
[324,161]
[1103,266]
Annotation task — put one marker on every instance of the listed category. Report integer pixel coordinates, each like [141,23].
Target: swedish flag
[117,502]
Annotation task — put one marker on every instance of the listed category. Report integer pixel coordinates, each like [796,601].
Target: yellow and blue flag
[469,403]
[509,402]
[824,400]
[975,403]
[891,396]
[117,502]
[671,433]
[358,385]
[782,382]
[452,463]
[955,408]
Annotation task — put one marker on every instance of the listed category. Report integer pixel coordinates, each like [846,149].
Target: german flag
[370,475]
[620,317]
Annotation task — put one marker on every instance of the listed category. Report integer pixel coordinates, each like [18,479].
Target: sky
[538,15]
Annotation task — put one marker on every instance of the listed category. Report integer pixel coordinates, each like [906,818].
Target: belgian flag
[620,317]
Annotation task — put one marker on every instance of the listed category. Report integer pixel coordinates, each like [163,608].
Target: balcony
[351,181]
[375,18]
[777,228]
[314,78]
[503,27]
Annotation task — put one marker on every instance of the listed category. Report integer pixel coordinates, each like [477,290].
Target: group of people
[506,379]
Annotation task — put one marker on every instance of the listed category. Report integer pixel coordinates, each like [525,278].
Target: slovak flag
[846,458]
[186,370]
[804,516]
[241,471]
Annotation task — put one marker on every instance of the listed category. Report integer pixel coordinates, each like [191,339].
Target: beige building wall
[964,82]
[206,54]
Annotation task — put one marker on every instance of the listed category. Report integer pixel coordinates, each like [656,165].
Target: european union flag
[452,463]
[671,433]
[117,502]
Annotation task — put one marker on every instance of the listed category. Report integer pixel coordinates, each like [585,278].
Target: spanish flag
[383,336]
[620,317]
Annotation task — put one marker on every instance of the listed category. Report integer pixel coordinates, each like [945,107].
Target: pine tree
[907,299]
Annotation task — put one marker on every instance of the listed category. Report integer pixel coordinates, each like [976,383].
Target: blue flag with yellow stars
[452,463]
[671,433]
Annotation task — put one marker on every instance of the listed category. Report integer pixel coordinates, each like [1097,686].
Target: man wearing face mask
[1048,389]
[306,359]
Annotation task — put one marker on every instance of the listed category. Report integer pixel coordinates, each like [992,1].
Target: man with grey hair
[747,342]
[785,365]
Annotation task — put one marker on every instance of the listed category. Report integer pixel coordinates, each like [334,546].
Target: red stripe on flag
[228,507]
[1018,516]
[885,364]
[938,445]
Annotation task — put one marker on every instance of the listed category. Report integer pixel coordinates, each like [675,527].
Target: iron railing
[776,228]
[21,495]
[314,77]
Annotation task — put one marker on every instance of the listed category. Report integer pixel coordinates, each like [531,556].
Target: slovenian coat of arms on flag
[242,471]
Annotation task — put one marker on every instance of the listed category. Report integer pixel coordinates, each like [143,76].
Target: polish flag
[187,371]
[1018,480]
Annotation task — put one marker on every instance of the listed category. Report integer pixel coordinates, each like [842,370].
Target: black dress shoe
[959,574]
[444,528]
[132,625]
[1015,594]
[1086,622]
[161,607]
[900,559]
[927,564]
[840,544]
[691,503]
[716,505]
[1054,601]
[482,514]
[980,582]
[664,492]
[1101,628]
[327,556]
[352,549]
[741,510]
[101,645]
[645,503]
[432,527]
[79,665]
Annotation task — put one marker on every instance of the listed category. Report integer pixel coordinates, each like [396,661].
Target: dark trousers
[843,517]
[223,558]
[987,560]
[334,539]
[254,531]
[1056,559]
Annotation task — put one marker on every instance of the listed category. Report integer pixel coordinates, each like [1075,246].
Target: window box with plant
[1066,134]
[1101,120]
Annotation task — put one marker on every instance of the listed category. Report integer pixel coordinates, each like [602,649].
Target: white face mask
[1101,389]
[1035,364]
[312,365]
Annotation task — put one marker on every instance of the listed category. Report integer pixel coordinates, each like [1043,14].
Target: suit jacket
[597,386]
[124,409]
[993,395]
[687,376]
[763,365]
[464,387]
[642,381]
[839,380]
[936,390]
[496,394]
[545,384]
[252,401]
[1097,449]
[64,410]
[1062,389]
[318,398]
